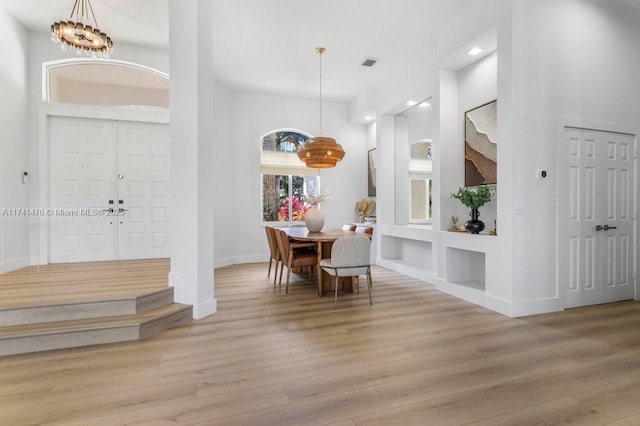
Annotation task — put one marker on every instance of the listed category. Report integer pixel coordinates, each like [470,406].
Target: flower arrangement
[314,200]
[474,197]
[298,207]
[364,207]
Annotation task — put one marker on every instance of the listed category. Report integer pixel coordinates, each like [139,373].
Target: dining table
[324,239]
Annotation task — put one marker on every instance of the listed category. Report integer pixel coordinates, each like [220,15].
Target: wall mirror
[413,164]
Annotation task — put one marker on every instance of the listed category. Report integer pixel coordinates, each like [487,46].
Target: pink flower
[299,210]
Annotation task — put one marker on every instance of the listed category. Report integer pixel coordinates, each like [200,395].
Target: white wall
[571,60]
[224,242]
[252,115]
[14,44]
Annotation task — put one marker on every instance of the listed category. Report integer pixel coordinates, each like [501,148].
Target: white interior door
[143,190]
[81,164]
[600,217]
[109,184]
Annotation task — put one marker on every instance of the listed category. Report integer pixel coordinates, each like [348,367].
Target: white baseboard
[205,309]
[227,261]
[502,306]
[13,264]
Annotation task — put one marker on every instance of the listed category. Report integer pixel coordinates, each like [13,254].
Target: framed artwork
[481,145]
[371,173]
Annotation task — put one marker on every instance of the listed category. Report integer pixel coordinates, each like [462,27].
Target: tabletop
[303,234]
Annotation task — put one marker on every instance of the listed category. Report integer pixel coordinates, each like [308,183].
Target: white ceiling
[269,45]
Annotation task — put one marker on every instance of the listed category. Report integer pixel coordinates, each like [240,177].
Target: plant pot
[314,219]
[474,226]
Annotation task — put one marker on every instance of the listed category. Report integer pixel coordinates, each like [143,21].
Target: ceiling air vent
[369,62]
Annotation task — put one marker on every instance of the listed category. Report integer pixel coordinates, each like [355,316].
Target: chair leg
[369,285]
[335,298]
[286,290]
[275,273]
[269,272]
[357,285]
[280,282]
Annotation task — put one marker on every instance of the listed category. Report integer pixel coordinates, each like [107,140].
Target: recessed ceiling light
[368,117]
[412,103]
[474,51]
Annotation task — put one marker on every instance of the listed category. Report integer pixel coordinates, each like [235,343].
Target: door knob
[599,227]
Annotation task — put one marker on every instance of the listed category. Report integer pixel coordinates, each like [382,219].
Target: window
[285,180]
[105,82]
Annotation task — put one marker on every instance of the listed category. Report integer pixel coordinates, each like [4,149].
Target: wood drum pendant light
[321,152]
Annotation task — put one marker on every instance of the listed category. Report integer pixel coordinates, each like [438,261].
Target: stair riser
[77,311]
[67,312]
[160,324]
[155,300]
[22,345]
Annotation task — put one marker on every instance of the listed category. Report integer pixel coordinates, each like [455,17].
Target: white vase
[314,219]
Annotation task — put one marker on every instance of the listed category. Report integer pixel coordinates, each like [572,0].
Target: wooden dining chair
[350,257]
[274,253]
[294,255]
[349,227]
[363,229]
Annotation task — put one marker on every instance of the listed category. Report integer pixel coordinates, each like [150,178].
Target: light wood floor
[416,357]
[81,282]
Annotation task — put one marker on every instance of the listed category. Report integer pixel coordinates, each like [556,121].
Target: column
[191,130]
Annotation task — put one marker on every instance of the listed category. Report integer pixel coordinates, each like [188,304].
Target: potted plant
[474,198]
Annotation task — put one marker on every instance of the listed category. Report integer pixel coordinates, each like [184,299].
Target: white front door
[109,185]
[143,190]
[600,218]
[81,184]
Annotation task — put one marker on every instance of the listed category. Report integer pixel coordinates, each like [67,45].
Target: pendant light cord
[321,50]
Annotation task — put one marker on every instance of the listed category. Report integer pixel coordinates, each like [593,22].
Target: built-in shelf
[466,268]
[409,256]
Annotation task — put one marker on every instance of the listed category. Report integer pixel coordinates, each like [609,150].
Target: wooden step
[83,332]
[35,312]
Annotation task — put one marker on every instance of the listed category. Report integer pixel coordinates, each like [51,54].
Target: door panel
[143,187]
[81,164]
[600,221]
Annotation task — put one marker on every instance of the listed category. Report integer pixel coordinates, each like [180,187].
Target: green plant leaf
[474,197]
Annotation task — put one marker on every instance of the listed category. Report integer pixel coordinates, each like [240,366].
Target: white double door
[600,217]
[109,183]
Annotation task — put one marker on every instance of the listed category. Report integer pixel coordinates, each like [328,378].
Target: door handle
[607,227]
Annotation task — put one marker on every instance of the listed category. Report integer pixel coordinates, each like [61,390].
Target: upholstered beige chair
[349,258]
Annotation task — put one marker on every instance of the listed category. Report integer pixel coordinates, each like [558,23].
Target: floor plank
[416,357]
